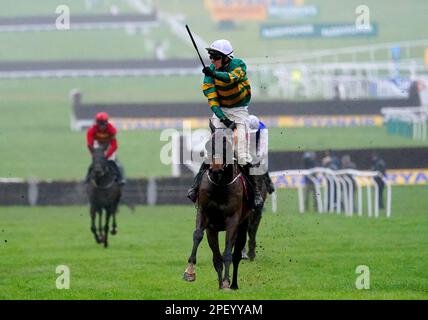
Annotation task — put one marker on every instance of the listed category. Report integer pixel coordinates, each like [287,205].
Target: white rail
[335,190]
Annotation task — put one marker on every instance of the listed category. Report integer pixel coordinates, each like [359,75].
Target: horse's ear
[212,126]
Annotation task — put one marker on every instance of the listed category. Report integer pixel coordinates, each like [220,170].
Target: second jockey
[103,135]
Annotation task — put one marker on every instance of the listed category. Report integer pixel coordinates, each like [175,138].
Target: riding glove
[228,123]
[208,72]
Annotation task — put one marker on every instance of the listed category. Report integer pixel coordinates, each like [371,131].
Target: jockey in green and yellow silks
[229,88]
[228,91]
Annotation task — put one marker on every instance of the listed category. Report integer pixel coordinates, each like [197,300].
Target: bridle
[224,163]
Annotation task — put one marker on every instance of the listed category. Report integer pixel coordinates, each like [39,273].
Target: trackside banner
[258,10]
[292,12]
[270,121]
[397,177]
[309,30]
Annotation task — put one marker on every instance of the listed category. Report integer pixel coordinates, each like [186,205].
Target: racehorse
[222,205]
[104,193]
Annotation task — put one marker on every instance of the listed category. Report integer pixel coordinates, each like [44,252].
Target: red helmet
[101,116]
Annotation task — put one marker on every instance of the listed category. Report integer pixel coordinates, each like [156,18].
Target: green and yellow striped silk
[229,89]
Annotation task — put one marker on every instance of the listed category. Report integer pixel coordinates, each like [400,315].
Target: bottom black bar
[210,309]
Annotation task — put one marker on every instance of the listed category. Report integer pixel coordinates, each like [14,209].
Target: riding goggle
[101,123]
[215,57]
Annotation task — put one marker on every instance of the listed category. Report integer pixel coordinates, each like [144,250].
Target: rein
[228,184]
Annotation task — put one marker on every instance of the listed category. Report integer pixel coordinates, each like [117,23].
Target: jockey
[103,134]
[259,149]
[229,92]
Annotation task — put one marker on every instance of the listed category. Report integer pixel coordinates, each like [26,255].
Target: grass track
[300,256]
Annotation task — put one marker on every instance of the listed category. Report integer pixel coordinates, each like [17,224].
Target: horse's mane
[224,151]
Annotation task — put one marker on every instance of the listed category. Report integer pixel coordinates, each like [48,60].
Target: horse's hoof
[244,255]
[114,232]
[234,287]
[251,256]
[189,276]
[225,285]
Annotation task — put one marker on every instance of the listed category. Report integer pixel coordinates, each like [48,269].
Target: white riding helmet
[254,123]
[222,46]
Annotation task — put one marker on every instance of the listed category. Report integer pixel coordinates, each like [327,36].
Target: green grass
[307,256]
[303,139]
[36,139]
[397,22]
[13,8]
[35,134]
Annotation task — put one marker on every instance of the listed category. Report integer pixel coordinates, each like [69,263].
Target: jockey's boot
[118,171]
[192,193]
[269,184]
[121,175]
[87,175]
[258,199]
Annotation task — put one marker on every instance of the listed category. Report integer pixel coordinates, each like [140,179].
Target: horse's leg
[93,213]
[212,237]
[231,233]
[115,210]
[253,225]
[106,227]
[237,256]
[100,225]
[114,230]
[190,273]
[198,234]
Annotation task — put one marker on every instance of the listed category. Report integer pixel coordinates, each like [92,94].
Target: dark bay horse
[104,193]
[221,206]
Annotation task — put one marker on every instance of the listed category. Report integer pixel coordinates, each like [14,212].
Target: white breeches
[241,117]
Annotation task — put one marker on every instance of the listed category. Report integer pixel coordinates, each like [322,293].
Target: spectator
[347,162]
[378,164]
[330,160]
[309,163]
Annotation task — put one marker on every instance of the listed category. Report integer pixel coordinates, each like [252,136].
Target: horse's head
[220,153]
[99,162]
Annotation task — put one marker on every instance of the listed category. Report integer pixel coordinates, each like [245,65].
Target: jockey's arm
[235,75]
[90,139]
[210,92]
[113,147]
